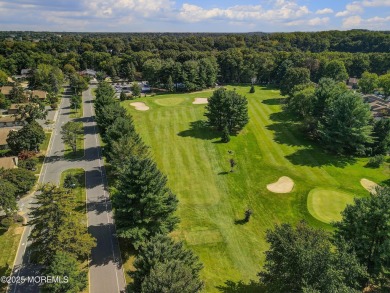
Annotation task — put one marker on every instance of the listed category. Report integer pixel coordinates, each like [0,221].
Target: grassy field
[80,194]
[79,153]
[77,113]
[9,241]
[213,200]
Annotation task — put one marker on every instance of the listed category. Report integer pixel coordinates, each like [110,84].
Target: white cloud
[351,9]
[352,22]
[324,11]
[311,22]
[281,11]
[375,3]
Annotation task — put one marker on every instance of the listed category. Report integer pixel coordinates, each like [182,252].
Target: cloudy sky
[193,15]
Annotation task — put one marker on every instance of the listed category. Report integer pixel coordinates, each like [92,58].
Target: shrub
[376,161]
[54,106]
[18,218]
[29,164]
[24,155]
[71,181]
[252,90]
[7,222]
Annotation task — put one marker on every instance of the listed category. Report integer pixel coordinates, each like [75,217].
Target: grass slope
[213,201]
[80,195]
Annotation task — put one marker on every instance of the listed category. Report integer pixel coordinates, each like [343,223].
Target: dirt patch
[140,106]
[200,101]
[283,185]
[18,230]
[369,185]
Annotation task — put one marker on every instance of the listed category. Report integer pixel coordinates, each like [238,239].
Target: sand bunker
[369,185]
[283,185]
[199,101]
[140,106]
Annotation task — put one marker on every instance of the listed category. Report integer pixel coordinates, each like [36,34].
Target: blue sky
[193,15]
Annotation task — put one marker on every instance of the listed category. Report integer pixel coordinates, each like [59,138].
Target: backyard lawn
[213,200]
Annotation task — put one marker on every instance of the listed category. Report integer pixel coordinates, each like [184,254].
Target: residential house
[9,162]
[379,107]
[10,121]
[6,90]
[14,108]
[39,93]
[3,137]
[352,83]
[88,72]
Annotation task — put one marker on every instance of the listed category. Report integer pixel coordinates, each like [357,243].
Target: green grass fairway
[169,101]
[69,154]
[213,201]
[326,205]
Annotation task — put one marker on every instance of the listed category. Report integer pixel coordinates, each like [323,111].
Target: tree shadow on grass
[199,129]
[274,101]
[241,287]
[240,222]
[288,134]
[316,158]
[385,183]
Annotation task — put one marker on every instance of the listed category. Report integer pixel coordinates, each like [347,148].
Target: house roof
[3,135]
[9,79]
[8,162]
[16,106]
[5,90]
[352,80]
[40,94]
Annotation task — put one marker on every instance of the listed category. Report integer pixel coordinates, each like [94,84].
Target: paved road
[105,273]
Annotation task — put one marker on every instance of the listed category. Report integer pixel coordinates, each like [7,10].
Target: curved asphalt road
[105,267]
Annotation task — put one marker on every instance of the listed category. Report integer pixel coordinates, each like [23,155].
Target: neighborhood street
[105,272]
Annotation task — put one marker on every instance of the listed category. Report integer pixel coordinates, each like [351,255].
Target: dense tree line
[338,118]
[355,258]
[195,60]
[144,206]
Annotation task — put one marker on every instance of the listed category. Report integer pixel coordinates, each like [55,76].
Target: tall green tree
[22,179]
[108,114]
[32,111]
[144,205]
[294,76]
[366,227]
[368,82]
[227,109]
[28,138]
[71,132]
[384,83]
[8,203]
[301,101]
[345,127]
[64,265]
[301,259]
[170,84]
[164,265]
[57,226]
[136,89]
[336,70]
[381,134]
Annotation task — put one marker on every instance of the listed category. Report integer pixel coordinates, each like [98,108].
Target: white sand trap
[199,101]
[369,185]
[283,185]
[140,106]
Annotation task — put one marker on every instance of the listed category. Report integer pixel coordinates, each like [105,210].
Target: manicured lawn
[212,200]
[80,194]
[326,205]
[9,241]
[70,155]
[77,113]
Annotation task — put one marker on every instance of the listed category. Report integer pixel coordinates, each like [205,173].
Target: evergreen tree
[227,109]
[144,205]
[108,114]
[64,265]
[170,85]
[136,89]
[381,134]
[163,265]
[57,226]
[345,127]
[252,90]
[225,135]
[123,96]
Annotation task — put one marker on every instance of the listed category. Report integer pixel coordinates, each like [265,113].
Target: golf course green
[326,204]
[213,201]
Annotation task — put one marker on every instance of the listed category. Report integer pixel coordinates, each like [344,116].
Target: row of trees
[144,206]
[338,118]
[354,258]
